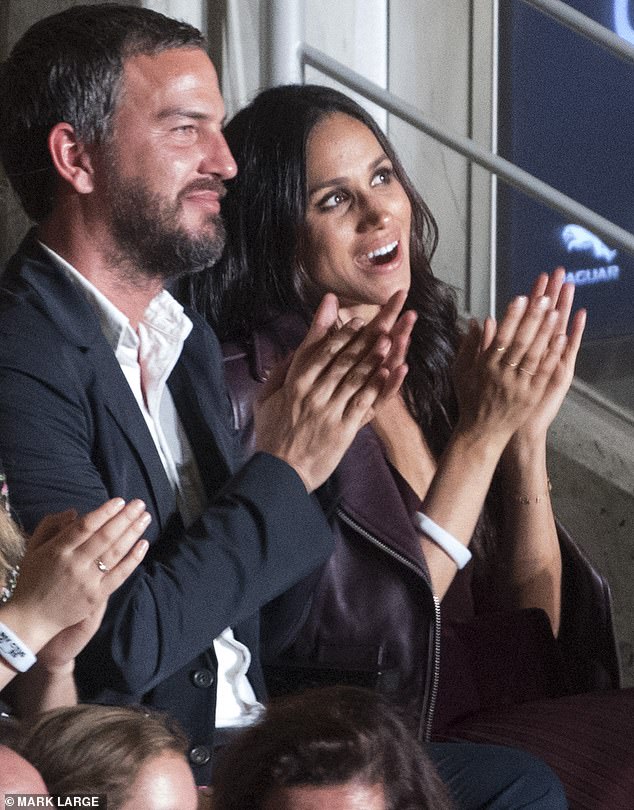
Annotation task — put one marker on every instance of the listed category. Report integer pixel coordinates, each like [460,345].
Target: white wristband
[15,651]
[453,548]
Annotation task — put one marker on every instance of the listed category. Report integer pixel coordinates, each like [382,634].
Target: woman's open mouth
[383,255]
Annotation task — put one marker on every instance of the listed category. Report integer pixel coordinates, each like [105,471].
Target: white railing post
[283,29]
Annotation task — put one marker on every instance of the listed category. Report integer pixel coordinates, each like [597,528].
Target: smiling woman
[357,225]
[441,505]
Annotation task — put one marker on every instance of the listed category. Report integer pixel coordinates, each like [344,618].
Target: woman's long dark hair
[259,274]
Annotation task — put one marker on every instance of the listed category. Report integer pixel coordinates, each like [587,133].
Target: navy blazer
[72,435]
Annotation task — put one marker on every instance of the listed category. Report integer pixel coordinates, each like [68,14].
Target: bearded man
[111,135]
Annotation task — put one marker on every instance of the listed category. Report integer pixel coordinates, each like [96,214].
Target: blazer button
[203,678]
[199,755]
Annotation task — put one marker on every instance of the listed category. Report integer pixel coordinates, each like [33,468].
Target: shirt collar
[163,314]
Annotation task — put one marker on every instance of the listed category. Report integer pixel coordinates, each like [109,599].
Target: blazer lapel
[64,304]
[198,390]
[122,406]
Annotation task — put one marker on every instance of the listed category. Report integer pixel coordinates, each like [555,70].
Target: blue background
[567,116]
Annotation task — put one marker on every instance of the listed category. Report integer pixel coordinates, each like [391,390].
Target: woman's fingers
[553,355]
[576,333]
[324,319]
[114,539]
[314,357]
[530,362]
[80,529]
[349,373]
[388,314]
[122,570]
[400,336]
[489,328]
[518,329]
[65,578]
[561,294]
[509,324]
[539,286]
[525,332]
[554,284]
[391,385]
[325,358]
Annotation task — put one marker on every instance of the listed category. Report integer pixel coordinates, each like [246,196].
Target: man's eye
[184,129]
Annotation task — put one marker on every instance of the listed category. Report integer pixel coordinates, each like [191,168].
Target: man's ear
[71,158]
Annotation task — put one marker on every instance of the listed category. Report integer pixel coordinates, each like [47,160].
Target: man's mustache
[204,184]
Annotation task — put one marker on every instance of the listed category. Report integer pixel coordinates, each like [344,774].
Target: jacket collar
[380,505]
[31,274]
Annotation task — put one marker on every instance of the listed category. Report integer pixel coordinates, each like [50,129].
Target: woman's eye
[333,200]
[382,176]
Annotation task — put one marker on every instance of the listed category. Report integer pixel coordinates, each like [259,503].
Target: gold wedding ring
[102,566]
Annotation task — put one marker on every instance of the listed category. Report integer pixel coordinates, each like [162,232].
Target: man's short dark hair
[68,68]
[324,737]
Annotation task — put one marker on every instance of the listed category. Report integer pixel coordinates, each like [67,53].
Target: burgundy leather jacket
[370,617]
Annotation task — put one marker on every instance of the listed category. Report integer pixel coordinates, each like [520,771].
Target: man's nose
[217,158]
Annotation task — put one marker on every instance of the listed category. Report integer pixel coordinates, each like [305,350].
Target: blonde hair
[12,546]
[92,749]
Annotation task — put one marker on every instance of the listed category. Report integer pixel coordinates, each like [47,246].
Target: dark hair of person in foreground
[324,737]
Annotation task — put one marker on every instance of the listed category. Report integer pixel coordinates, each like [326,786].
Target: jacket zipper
[428,715]
[433,661]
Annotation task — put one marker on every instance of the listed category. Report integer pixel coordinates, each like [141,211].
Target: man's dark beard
[150,241]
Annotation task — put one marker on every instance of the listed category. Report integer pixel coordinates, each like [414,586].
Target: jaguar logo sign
[577,238]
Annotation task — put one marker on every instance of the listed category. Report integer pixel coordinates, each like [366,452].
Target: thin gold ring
[510,365]
[526,371]
[500,348]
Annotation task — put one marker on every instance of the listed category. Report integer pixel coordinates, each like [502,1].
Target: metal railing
[286,54]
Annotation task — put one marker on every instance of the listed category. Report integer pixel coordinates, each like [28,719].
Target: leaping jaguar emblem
[577,238]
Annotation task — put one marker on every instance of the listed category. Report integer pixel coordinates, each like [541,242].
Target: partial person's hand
[502,371]
[60,652]
[314,403]
[561,295]
[71,566]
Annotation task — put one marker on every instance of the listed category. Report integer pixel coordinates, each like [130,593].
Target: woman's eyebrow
[336,181]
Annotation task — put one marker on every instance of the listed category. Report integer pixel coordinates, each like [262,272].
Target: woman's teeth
[383,254]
